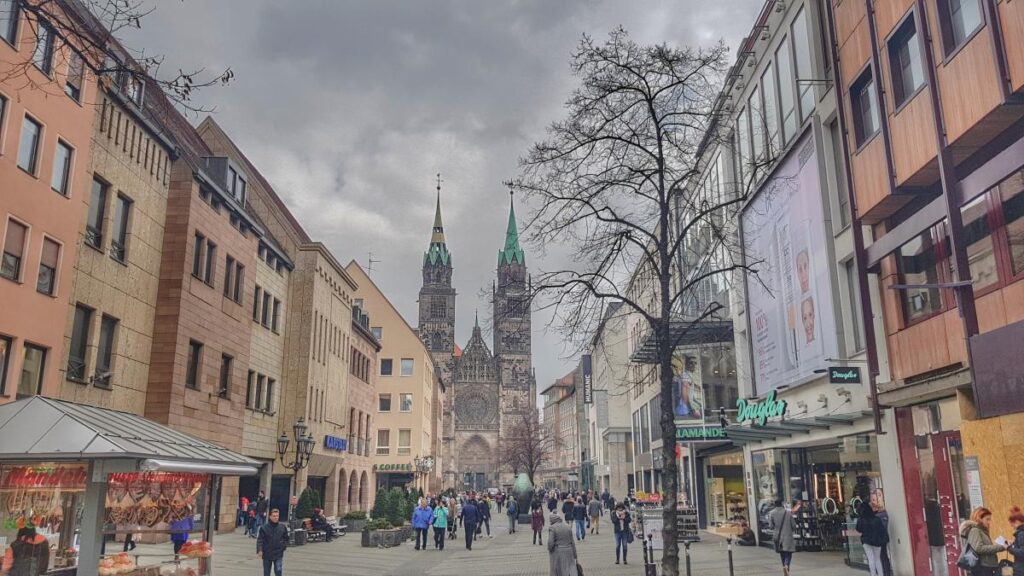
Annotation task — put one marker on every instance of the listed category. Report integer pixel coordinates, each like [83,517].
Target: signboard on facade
[686,525]
[588,379]
[335,443]
[973,481]
[700,433]
[392,467]
[759,411]
[792,328]
[997,381]
[844,374]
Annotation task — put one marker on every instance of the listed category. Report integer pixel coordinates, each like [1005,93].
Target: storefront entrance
[935,477]
[725,503]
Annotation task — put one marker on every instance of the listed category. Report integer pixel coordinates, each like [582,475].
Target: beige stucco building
[407,386]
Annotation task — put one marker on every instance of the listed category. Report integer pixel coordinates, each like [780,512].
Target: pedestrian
[873,536]
[622,526]
[1017,546]
[250,526]
[243,511]
[28,555]
[422,516]
[604,499]
[500,501]
[567,505]
[262,507]
[181,528]
[561,548]
[512,511]
[271,542]
[470,516]
[537,523]
[594,509]
[440,525]
[552,502]
[579,515]
[453,518]
[781,521]
[484,505]
[975,532]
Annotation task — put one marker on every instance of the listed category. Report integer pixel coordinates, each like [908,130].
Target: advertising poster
[792,329]
[687,387]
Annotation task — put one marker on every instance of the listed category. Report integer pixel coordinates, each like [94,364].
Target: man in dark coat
[470,519]
[271,543]
[485,514]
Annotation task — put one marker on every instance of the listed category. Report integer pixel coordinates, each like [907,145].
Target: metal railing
[117,250]
[76,369]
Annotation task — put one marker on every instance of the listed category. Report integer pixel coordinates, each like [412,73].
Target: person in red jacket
[28,555]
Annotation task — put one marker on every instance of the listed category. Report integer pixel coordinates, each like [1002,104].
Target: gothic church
[488,392]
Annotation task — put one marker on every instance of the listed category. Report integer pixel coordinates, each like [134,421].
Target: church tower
[437,298]
[512,325]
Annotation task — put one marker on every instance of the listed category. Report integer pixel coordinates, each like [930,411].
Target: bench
[320,535]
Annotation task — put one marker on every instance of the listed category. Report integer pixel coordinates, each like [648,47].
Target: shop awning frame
[789,428]
[40,428]
[685,333]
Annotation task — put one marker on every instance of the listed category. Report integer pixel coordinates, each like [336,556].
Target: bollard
[729,542]
[650,568]
[687,546]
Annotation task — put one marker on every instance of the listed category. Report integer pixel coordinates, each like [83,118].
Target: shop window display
[47,499]
[726,500]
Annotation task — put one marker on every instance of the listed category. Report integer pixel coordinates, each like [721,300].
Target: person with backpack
[28,555]
[781,521]
[873,536]
[975,533]
[512,511]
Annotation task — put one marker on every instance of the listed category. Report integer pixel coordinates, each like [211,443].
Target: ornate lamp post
[424,466]
[303,446]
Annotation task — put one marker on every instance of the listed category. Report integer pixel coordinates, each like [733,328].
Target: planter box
[354,525]
[382,538]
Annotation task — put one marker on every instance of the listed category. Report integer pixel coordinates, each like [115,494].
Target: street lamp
[303,446]
[423,466]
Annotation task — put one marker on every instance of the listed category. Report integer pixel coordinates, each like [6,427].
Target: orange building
[932,94]
[46,120]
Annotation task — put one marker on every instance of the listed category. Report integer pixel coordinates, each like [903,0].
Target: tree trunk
[670,468]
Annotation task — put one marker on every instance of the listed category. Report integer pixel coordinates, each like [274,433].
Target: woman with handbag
[1017,546]
[622,526]
[873,536]
[977,540]
[781,521]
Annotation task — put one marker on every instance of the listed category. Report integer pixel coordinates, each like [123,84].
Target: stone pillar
[331,497]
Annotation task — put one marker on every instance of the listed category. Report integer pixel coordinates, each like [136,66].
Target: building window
[377,332]
[97,209]
[958,19]
[276,319]
[224,387]
[46,283]
[268,397]
[239,283]
[229,274]
[386,366]
[1011,195]
[771,119]
[918,262]
[60,180]
[131,85]
[856,320]
[105,351]
[384,402]
[407,365]
[5,361]
[257,296]
[14,249]
[404,441]
[905,62]
[265,317]
[864,101]
[250,381]
[260,382]
[197,255]
[79,343]
[9,25]
[76,76]
[981,256]
[211,262]
[193,370]
[42,56]
[804,70]
[405,402]
[787,98]
[383,442]
[28,148]
[32,367]
[119,238]
[839,162]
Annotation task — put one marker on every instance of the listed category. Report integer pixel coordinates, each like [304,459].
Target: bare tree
[528,446]
[84,33]
[617,182]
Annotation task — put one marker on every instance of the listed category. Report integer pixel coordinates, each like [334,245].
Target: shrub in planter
[395,510]
[308,500]
[380,504]
[355,515]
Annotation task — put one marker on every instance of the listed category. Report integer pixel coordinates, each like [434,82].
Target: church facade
[490,388]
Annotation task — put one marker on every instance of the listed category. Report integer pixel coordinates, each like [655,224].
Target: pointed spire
[512,252]
[438,236]
[437,252]
[476,319]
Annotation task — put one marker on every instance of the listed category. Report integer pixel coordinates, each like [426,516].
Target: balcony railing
[76,369]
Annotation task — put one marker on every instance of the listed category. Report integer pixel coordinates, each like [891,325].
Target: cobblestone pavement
[506,555]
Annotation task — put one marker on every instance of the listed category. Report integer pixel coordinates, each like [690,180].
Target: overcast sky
[350,108]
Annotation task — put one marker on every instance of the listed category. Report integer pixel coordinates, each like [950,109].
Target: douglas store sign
[758,412]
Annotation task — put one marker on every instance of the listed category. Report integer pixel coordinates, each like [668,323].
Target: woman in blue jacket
[422,518]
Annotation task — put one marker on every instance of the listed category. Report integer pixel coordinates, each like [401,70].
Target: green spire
[437,252]
[512,251]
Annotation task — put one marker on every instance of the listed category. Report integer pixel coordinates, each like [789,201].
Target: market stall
[82,479]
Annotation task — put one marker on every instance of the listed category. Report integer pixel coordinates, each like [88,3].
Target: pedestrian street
[503,555]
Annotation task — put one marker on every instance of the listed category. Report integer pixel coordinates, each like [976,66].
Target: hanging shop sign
[43,476]
[335,443]
[392,467]
[844,374]
[700,433]
[686,525]
[588,379]
[973,481]
[758,412]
